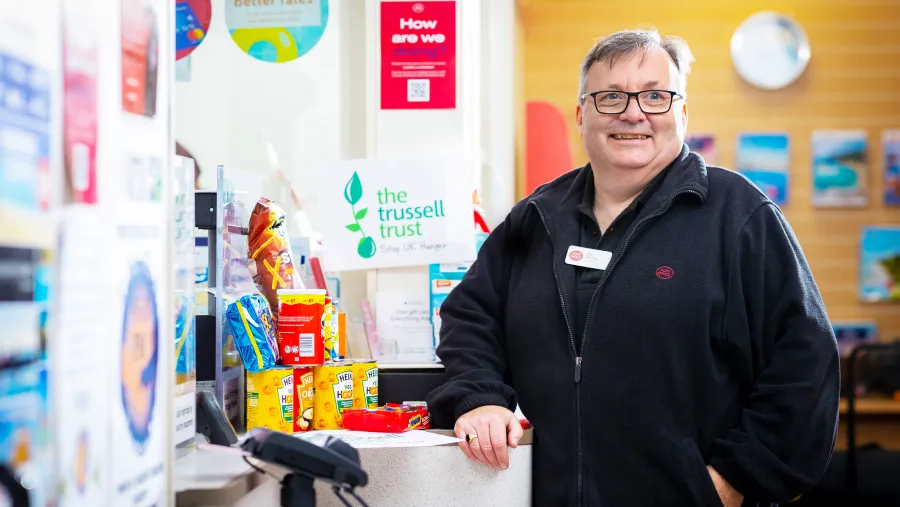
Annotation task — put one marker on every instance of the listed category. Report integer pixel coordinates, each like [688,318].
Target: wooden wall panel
[853,81]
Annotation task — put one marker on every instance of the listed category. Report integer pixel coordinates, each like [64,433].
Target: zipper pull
[577,370]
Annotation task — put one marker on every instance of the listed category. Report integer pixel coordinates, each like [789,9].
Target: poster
[403,324]
[82,359]
[388,213]
[765,159]
[880,264]
[418,55]
[703,145]
[184,298]
[890,142]
[276,31]
[140,56]
[192,19]
[80,67]
[25,131]
[839,168]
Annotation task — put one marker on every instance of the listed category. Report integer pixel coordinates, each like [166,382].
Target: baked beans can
[334,394]
[304,391]
[270,399]
[329,330]
[365,384]
[300,313]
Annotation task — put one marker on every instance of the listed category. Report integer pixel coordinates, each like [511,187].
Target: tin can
[270,399]
[329,330]
[299,326]
[365,384]
[334,394]
[304,396]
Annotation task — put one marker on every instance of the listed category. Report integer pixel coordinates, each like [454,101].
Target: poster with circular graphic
[140,354]
[192,19]
[276,32]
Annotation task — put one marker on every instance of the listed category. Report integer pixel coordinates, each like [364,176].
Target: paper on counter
[373,440]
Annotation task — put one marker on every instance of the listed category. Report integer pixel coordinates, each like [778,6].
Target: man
[653,317]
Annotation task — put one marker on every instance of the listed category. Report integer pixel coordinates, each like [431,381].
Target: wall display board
[30,123]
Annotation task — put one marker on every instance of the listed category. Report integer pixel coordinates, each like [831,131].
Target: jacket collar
[562,196]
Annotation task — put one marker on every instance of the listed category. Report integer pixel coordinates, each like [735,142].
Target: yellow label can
[270,400]
[365,386]
[334,385]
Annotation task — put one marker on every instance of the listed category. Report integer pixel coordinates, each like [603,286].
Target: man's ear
[684,115]
[579,119]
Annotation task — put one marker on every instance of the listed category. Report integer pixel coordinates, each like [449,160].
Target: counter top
[438,475]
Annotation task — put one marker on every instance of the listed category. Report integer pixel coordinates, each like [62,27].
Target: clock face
[769,50]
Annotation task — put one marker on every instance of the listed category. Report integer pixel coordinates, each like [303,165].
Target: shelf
[873,406]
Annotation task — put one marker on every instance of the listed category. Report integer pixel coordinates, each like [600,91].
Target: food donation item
[300,326]
[270,399]
[334,394]
[250,323]
[304,395]
[271,260]
[329,330]
[365,384]
[391,418]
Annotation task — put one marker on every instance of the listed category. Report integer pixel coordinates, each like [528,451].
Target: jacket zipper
[579,458]
[579,353]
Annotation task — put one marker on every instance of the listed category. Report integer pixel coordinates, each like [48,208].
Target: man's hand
[729,496]
[495,427]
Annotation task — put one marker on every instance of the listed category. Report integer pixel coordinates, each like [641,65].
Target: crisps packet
[271,260]
[250,323]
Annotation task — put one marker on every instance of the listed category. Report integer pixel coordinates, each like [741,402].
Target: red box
[391,418]
[300,314]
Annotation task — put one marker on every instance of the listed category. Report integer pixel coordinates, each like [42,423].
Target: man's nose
[632,113]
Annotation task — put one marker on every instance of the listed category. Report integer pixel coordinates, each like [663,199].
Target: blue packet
[250,322]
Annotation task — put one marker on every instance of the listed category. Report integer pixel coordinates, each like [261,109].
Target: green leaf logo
[353,192]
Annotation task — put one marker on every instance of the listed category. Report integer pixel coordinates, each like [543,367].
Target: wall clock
[769,50]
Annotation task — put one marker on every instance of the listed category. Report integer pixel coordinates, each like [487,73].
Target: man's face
[664,132]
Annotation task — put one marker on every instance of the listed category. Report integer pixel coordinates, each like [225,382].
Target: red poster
[80,105]
[418,55]
[140,57]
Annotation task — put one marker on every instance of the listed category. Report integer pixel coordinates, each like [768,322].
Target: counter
[439,475]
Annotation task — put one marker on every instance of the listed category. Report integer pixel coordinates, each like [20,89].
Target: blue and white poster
[880,264]
[839,168]
[765,159]
[890,145]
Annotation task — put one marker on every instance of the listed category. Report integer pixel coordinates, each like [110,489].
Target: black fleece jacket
[707,343]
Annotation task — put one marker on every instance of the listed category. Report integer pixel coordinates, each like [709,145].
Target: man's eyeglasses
[616,101]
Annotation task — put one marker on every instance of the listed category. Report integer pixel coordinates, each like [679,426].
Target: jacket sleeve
[776,319]
[472,344]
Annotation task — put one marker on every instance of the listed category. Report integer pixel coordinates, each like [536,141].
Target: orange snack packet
[271,260]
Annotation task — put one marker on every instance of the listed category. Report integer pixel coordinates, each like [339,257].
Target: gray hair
[616,46]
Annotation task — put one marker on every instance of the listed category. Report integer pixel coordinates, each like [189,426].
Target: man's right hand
[494,426]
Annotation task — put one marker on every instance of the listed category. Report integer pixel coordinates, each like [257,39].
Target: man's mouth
[628,137]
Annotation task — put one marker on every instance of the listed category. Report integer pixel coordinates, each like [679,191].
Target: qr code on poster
[418,90]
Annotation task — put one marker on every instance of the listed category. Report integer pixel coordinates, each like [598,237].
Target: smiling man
[654,317]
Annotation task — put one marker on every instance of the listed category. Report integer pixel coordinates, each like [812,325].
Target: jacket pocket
[696,471]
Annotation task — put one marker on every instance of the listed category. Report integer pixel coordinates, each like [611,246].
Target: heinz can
[334,394]
[303,399]
[300,312]
[365,384]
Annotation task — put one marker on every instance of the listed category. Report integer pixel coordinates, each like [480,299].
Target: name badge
[588,257]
